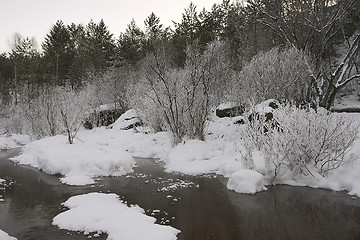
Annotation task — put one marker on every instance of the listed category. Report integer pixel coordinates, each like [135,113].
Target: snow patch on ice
[99,212]
[5,236]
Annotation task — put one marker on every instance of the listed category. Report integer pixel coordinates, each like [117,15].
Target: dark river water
[200,207]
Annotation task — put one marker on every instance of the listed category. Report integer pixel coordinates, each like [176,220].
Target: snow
[263,108]
[99,212]
[130,117]
[227,105]
[79,162]
[13,141]
[347,102]
[5,236]
[106,107]
[193,157]
[246,181]
[136,143]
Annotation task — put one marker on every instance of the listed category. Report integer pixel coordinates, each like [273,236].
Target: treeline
[292,50]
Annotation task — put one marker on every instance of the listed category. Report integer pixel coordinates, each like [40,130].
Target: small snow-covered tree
[159,91]
[72,109]
[282,74]
[205,77]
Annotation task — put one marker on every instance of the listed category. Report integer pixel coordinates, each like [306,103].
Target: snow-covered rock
[103,116]
[99,212]
[229,109]
[246,181]
[126,121]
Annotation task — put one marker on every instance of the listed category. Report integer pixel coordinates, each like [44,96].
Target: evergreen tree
[58,53]
[155,33]
[131,44]
[6,75]
[80,63]
[25,59]
[100,46]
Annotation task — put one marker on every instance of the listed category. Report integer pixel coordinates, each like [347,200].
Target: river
[200,207]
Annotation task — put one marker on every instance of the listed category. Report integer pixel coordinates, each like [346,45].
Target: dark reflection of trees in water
[285,212]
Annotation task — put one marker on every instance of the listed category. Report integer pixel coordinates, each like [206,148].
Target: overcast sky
[34,18]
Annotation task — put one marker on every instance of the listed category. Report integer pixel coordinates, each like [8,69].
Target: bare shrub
[180,98]
[305,141]
[73,109]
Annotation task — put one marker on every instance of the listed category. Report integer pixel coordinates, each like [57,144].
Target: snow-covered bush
[300,141]
[12,120]
[279,74]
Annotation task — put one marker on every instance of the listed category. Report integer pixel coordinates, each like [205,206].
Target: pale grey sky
[34,18]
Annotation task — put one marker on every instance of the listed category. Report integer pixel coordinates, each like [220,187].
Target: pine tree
[100,46]
[58,53]
[131,44]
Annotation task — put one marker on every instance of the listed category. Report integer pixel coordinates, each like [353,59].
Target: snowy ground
[351,101]
[105,213]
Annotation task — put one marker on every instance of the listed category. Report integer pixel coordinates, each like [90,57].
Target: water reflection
[204,209]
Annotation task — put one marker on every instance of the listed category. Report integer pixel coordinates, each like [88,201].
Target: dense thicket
[293,50]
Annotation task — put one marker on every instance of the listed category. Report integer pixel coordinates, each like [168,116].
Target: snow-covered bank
[13,141]
[99,152]
[5,236]
[105,213]
[222,153]
[79,162]
[105,152]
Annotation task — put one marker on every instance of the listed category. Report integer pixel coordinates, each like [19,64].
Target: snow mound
[246,181]
[5,236]
[137,144]
[192,157]
[79,162]
[99,212]
[13,141]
